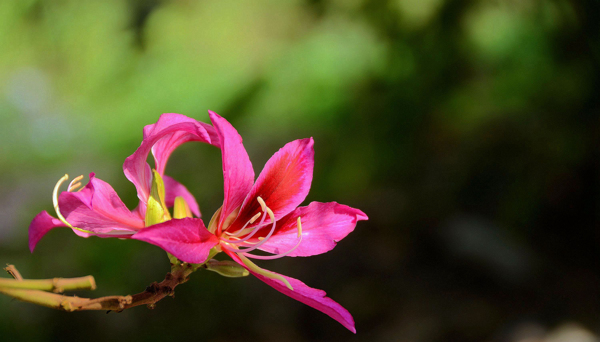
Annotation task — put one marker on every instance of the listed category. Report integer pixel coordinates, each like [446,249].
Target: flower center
[240,242]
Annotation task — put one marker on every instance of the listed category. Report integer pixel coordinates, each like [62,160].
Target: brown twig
[156,291]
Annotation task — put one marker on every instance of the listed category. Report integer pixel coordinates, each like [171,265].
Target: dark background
[468,131]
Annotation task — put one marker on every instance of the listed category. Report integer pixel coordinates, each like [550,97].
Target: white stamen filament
[277,256]
[264,272]
[253,230]
[234,242]
[272,216]
[243,230]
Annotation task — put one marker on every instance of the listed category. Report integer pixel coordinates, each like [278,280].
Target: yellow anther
[299,227]
[254,218]
[245,231]
[262,203]
[74,187]
[75,183]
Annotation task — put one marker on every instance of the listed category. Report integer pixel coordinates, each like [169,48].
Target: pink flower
[97,210]
[265,215]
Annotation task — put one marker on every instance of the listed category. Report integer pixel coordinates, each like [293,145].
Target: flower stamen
[264,272]
[272,216]
[252,231]
[240,239]
[281,255]
[244,230]
[75,183]
[55,202]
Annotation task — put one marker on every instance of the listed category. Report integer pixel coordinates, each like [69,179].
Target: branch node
[55,285]
[12,270]
[153,288]
[67,305]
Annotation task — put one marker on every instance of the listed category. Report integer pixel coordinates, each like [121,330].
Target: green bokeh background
[467,130]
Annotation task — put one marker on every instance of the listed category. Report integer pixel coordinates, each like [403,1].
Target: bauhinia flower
[97,210]
[264,215]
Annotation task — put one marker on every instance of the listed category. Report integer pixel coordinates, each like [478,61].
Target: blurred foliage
[467,130]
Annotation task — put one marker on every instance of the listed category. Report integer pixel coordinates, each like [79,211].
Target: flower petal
[323,225]
[312,297]
[170,131]
[187,239]
[41,225]
[238,174]
[163,148]
[174,189]
[283,183]
[98,208]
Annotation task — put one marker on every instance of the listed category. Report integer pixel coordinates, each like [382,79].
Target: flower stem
[66,303]
[32,291]
[55,285]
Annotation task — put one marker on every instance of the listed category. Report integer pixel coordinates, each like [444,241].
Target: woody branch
[34,291]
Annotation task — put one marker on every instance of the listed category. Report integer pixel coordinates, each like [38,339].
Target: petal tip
[213,115]
[41,224]
[361,216]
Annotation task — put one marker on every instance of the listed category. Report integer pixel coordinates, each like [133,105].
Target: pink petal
[41,225]
[312,297]
[165,146]
[323,225]
[174,189]
[98,208]
[283,183]
[238,174]
[187,239]
[163,137]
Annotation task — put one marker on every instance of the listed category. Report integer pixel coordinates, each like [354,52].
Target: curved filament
[55,202]
[281,255]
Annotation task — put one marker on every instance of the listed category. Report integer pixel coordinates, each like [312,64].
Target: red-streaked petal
[98,208]
[170,131]
[41,225]
[323,225]
[283,183]
[174,189]
[238,174]
[187,239]
[312,297]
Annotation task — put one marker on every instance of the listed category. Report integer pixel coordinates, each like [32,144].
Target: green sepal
[172,259]
[156,209]
[181,208]
[226,268]
[213,251]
